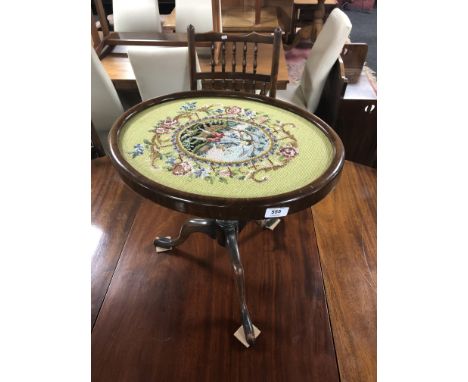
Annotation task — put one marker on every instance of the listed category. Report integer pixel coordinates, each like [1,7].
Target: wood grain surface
[346,229]
[114,206]
[171,316]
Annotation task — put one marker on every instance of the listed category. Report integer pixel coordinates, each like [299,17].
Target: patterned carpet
[295,60]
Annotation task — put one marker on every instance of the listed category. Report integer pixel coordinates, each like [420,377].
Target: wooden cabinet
[357,122]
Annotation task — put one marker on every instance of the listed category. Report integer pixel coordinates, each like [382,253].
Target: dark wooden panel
[171,317]
[332,94]
[114,206]
[357,122]
[346,229]
[357,128]
[354,55]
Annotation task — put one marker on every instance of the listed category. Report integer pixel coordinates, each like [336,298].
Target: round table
[226,157]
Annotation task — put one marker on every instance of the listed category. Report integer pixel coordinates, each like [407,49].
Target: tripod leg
[207,226]
[230,229]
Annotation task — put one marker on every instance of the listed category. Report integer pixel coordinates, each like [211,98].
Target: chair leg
[230,229]
[207,226]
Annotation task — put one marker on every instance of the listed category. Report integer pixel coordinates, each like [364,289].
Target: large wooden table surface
[120,71]
[171,316]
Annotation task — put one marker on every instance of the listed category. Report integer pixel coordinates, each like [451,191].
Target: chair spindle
[223,56]
[255,65]
[247,80]
[234,57]
[212,62]
[244,63]
[234,82]
[223,60]
[255,58]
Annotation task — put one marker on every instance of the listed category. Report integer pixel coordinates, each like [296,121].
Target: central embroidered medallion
[225,141]
[217,142]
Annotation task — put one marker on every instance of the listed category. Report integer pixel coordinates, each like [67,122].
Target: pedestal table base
[226,233]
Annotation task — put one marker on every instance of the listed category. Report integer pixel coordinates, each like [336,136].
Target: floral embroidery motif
[288,152]
[181,168]
[137,150]
[218,143]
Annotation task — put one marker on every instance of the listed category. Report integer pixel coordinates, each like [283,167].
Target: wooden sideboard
[357,121]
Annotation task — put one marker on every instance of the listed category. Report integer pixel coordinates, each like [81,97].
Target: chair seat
[293,94]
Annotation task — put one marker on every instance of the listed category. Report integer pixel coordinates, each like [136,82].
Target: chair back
[105,103]
[197,13]
[237,67]
[323,56]
[136,16]
[160,70]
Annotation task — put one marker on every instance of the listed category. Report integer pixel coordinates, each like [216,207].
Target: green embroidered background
[225,147]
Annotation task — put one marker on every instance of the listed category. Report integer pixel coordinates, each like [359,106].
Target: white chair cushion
[105,103]
[292,94]
[160,70]
[198,13]
[136,16]
[323,55]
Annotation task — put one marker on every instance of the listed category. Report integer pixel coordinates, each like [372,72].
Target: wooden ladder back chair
[239,78]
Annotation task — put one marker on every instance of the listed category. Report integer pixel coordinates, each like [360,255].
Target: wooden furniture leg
[258,10]
[231,230]
[226,231]
[206,226]
[319,16]
[310,31]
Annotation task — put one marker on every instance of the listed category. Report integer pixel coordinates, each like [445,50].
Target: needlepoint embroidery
[225,143]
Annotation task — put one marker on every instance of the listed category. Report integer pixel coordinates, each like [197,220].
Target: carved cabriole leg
[226,232]
[207,226]
[231,228]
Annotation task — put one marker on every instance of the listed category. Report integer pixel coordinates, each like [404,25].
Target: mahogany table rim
[251,208]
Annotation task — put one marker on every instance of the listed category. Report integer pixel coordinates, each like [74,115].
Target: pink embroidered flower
[288,152]
[262,119]
[215,137]
[233,110]
[225,172]
[181,168]
[168,123]
[161,130]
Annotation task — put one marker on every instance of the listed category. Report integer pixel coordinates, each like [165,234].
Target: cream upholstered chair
[105,103]
[198,13]
[136,16]
[323,55]
[160,70]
